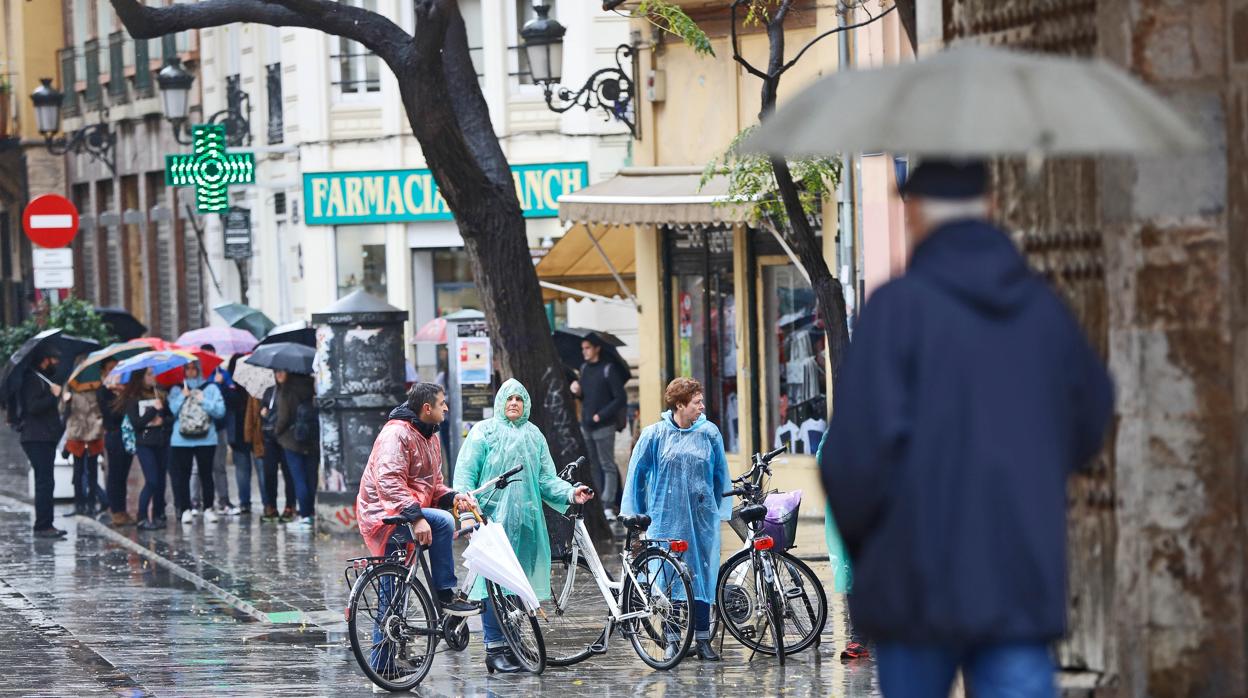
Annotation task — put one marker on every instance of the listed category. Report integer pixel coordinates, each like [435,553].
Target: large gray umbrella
[977,101]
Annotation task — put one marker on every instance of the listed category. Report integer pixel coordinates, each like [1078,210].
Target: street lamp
[175,96]
[95,140]
[609,89]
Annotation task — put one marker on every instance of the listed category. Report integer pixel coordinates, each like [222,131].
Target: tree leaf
[673,20]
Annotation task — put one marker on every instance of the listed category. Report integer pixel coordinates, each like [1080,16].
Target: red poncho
[404,468]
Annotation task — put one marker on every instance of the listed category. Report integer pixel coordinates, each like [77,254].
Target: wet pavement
[241,608]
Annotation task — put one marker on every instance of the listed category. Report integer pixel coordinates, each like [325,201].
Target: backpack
[128,440]
[193,419]
[307,423]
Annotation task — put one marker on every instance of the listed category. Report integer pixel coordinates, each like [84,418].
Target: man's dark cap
[947,179]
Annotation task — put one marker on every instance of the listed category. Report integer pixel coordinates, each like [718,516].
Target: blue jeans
[154,460]
[441,558]
[1007,670]
[490,627]
[299,470]
[243,463]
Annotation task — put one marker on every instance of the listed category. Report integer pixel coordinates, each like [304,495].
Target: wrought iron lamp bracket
[610,89]
[96,140]
[237,122]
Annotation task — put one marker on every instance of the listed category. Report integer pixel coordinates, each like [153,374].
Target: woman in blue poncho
[493,447]
[677,476]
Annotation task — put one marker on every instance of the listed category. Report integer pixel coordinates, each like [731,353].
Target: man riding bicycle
[404,478]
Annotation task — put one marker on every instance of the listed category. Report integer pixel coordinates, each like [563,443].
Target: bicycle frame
[610,590]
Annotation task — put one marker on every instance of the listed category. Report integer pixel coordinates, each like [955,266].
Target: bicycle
[395,626]
[764,591]
[650,605]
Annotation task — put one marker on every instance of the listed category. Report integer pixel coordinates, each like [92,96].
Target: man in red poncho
[404,478]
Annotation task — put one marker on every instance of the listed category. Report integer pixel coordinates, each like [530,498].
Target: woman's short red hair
[681,391]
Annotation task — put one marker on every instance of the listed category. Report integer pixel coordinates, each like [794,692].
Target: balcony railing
[69,81]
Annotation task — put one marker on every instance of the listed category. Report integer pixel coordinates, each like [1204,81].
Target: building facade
[343,199]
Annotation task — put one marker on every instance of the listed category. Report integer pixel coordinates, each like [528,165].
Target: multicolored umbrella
[158,361]
[226,340]
[88,374]
[208,362]
[246,318]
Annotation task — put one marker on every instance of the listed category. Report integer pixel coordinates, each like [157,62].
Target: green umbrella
[246,318]
[87,375]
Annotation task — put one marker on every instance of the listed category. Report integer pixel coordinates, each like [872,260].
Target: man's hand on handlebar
[582,494]
[465,501]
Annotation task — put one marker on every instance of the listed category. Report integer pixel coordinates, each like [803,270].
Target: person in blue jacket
[677,477]
[194,440]
[968,395]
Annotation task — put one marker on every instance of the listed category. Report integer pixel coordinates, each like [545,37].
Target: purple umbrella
[226,340]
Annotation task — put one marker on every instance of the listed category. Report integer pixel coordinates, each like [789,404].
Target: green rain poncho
[495,446]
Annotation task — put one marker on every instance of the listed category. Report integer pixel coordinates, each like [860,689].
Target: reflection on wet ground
[90,616]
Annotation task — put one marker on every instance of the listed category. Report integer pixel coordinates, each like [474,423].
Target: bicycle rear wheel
[520,628]
[392,628]
[577,616]
[664,593]
[741,604]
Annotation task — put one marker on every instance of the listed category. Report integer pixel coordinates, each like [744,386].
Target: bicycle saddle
[635,523]
[753,512]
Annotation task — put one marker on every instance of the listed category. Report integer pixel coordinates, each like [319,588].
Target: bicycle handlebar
[767,458]
[499,482]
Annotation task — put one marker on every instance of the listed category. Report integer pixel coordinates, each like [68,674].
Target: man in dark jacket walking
[603,400]
[967,397]
[41,430]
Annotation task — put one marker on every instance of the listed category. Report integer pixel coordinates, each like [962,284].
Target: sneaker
[855,650]
[287,516]
[149,525]
[302,523]
[461,607]
[123,518]
[188,516]
[269,516]
[50,532]
[211,516]
[243,510]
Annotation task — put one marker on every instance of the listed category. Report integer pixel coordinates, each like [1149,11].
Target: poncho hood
[669,420]
[512,387]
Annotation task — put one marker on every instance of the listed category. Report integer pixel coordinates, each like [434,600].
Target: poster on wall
[473,360]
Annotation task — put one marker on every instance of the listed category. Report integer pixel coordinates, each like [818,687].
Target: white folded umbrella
[490,555]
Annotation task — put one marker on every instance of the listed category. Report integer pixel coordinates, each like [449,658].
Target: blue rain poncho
[677,477]
[495,446]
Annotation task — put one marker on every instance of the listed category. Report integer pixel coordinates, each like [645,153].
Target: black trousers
[275,459]
[119,463]
[183,456]
[42,456]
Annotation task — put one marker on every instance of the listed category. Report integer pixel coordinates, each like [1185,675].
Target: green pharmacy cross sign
[209,168]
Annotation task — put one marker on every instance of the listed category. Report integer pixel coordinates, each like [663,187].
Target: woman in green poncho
[493,447]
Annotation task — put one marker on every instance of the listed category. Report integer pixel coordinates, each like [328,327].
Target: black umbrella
[52,341]
[295,332]
[284,356]
[123,324]
[568,345]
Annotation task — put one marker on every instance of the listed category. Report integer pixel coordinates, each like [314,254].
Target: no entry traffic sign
[50,220]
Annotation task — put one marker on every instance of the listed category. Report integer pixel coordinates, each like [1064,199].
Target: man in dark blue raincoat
[966,398]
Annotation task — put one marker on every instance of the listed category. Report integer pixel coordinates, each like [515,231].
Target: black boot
[497,659]
[704,650]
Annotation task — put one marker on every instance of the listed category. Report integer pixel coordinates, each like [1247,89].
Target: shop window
[702,309]
[361,251]
[453,286]
[793,361]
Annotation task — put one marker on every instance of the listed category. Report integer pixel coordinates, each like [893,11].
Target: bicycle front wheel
[392,628]
[520,628]
[740,602]
[577,617]
[663,593]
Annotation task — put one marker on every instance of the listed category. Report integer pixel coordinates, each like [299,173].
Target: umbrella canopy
[284,356]
[977,101]
[159,362]
[299,332]
[125,325]
[51,341]
[208,361]
[254,379]
[226,340]
[434,331]
[490,555]
[88,375]
[568,346]
[245,318]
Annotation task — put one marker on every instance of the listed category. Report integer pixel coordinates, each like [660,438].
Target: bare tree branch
[736,52]
[830,32]
[379,34]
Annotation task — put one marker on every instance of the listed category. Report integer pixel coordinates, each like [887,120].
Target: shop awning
[652,196]
[589,259]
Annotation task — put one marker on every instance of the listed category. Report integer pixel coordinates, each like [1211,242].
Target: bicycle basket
[781,520]
[738,526]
